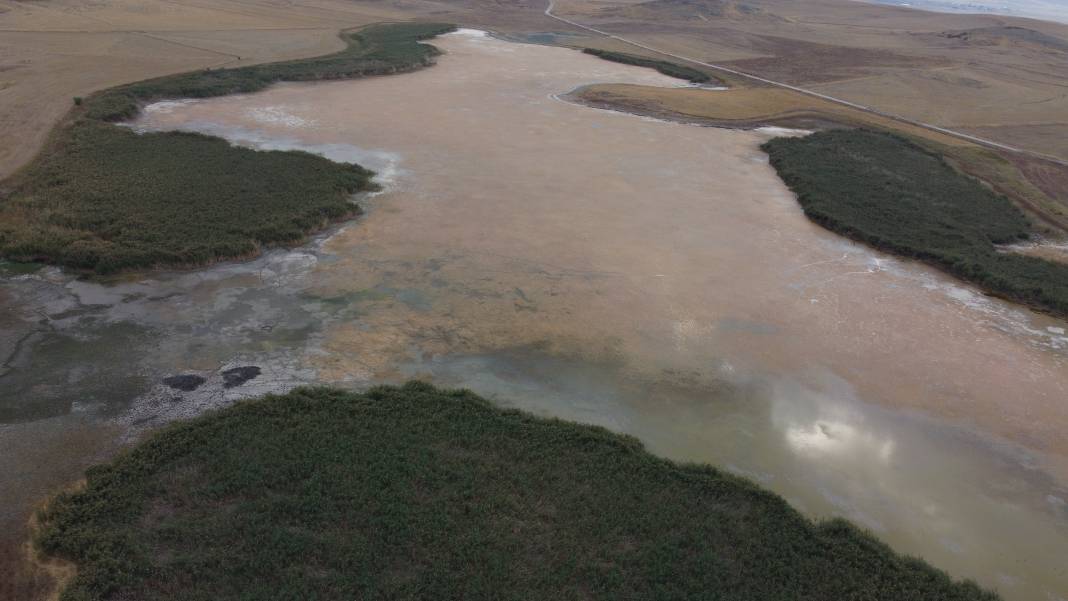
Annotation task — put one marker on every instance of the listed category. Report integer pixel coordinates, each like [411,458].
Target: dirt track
[853,105]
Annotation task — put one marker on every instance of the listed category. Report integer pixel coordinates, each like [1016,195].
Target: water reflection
[914,481]
[656,279]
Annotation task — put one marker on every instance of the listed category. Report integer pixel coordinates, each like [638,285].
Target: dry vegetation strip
[745,107]
[912,204]
[103,198]
[418,493]
[750,107]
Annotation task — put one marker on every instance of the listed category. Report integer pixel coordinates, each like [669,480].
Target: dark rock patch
[186,382]
[239,375]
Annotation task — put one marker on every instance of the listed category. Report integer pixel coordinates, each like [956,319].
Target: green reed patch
[420,493]
[375,50]
[885,191]
[103,198]
[667,68]
[117,200]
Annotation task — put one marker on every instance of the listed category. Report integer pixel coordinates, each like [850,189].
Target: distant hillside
[1004,36]
[1049,10]
[691,10]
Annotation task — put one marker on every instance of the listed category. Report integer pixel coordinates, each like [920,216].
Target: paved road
[779,84]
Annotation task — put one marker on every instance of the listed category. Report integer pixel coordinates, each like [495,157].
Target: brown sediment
[1050,177]
[1035,185]
[670,261]
[62,54]
[1051,250]
[32,575]
[745,107]
[44,459]
[22,577]
[60,571]
[588,242]
[595,97]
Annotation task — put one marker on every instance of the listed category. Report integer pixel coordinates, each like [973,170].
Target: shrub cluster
[117,200]
[419,493]
[103,198]
[670,69]
[885,191]
[375,50]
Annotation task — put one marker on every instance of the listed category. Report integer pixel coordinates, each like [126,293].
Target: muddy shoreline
[809,121]
[651,277]
[802,120]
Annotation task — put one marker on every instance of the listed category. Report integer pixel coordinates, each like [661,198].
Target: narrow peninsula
[103,198]
[421,493]
[886,191]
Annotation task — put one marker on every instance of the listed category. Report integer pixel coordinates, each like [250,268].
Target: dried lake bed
[655,278]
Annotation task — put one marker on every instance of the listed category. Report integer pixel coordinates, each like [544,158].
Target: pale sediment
[653,277]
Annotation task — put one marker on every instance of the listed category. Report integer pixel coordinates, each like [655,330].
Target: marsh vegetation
[104,198]
[664,67]
[885,191]
[416,492]
[375,50]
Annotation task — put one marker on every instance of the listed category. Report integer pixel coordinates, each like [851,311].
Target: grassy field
[664,67]
[887,192]
[105,199]
[417,493]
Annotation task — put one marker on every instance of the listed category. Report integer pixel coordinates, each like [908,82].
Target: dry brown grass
[963,71]
[1011,90]
[1034,184]
[745,107]
[54,50]
[27,573]
[1000,76]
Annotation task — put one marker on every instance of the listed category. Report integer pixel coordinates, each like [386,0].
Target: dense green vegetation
[117,200]
[104,198]
[669,69]
[375,50]
[418,493]
[887,192]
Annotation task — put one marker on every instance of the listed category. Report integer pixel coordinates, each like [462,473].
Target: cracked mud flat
[655,278]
